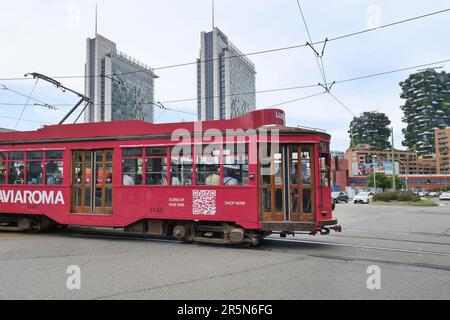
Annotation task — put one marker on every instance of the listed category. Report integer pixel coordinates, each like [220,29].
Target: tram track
[284,246]
[289,246]
[389,239]
[355,259]
[421,252]
[106,234]
[359,246]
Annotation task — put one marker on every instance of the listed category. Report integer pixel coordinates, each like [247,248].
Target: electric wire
[258,52]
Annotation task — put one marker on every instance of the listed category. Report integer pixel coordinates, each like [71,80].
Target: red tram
[232,181]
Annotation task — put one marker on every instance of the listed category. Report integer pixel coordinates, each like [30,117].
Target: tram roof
[267,118]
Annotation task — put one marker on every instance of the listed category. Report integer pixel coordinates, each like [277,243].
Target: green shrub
[397,196]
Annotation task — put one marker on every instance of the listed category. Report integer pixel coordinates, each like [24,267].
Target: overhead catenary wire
[341,103]
[295,100]
[316,54]
[26,104]
[23,119]
[329,39]
[320,63]
[39,102]
[357,78]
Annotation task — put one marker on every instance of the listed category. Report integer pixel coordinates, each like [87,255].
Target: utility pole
[375,166]
[394,183]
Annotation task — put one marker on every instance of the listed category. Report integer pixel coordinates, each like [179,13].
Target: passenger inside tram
[127,179]
[213,179]
[230,177]
[20,175]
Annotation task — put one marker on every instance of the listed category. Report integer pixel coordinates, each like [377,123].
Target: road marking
[367,247]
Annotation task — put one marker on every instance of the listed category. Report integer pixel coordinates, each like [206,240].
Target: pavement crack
[201,279]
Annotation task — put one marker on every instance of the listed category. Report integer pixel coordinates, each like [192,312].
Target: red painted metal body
[237,204]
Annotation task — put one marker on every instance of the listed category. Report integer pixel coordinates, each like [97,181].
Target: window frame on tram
[30,167]
[202,164]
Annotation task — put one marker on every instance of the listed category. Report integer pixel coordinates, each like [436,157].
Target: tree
[370,128]
[427,106]
[381,180]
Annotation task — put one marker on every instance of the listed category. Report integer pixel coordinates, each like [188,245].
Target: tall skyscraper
[120,87]
[426,108]
[223,81]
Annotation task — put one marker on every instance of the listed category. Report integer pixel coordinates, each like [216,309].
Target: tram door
[92,180]
[286,183]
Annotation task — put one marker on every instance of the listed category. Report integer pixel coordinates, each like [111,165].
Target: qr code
[204,202]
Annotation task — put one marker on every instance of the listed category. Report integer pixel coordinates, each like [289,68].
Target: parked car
[433,194]
[363,197]
[339,197]
[423,194]
[444,196]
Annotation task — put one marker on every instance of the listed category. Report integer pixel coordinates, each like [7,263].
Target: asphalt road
[410,245]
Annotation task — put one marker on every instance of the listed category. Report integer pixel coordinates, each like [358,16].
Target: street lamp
[375,157]
[406,172]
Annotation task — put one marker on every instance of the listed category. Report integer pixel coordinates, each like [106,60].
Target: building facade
[225,79]
[442,137]
[119,87]
[340,173]
[362,159]
[414,182]
[427,96]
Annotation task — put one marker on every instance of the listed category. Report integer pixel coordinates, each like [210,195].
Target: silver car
[444,196]
[363,197]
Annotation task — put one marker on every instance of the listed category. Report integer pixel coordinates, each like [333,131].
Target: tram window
[54,172]
[16,174]
[54,155]
[235,170]
[108,197]
[181,171]
[108,173]
[132,171]
[295,201]
[35,167]
[306,201]
[324,163]
[208,165]
[278,200]
[156,171]
[306,171]
[35,172]
[2,168]
[181,166]
[156,166]
[156,152]
[208,171]
[87,197]
[133,152]
[17,156]
[265,173]
[278,168]
[235,164]
[109,156]
[306,153]
[233,148]
[54,167]
[35,155]
[267,200]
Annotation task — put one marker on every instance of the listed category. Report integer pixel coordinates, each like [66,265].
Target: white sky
[49,37]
